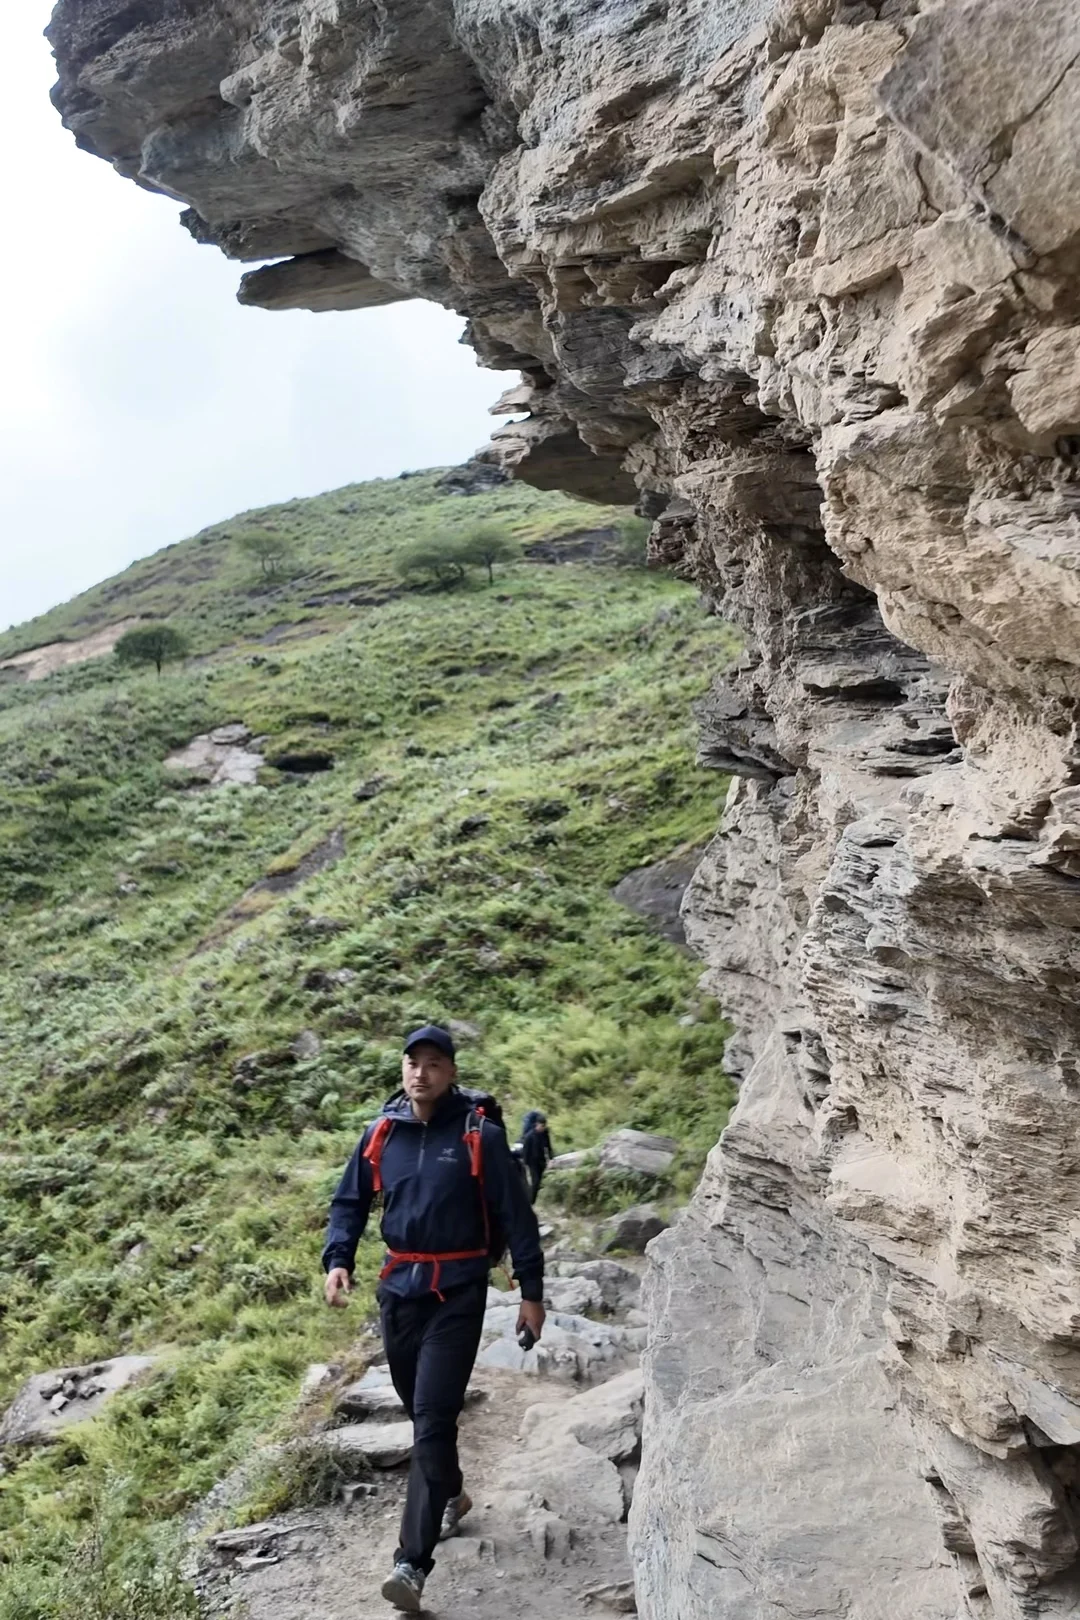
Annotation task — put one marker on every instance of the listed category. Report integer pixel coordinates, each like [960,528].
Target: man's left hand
[532,1316]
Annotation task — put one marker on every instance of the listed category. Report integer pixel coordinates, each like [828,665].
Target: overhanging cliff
[802,276]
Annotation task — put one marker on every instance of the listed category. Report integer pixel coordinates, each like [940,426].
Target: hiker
[449,1191]
[536,1150]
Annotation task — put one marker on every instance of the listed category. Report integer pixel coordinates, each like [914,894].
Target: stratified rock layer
[803,275]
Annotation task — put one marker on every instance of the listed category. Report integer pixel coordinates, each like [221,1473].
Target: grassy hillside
[344,542]
[169,1143]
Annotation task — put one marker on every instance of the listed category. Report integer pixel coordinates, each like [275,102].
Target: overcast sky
[140,402]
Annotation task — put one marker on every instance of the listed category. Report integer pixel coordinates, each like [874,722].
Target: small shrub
[298,1476]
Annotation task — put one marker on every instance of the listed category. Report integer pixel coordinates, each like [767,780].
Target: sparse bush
[114,1571]
[440,563]
[270,548]
[298,1476]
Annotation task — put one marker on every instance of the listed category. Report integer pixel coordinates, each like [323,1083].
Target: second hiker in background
[536,1149]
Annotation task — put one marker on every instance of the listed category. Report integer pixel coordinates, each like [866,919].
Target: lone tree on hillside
[442,561]
[155,644]
[488,545]
[268,547]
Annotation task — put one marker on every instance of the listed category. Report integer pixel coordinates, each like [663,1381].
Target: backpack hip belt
[435,1261]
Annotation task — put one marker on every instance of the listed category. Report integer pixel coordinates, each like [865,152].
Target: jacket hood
[399,1108]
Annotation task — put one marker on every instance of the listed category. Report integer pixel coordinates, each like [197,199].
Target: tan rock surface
[41,661]
[804,273]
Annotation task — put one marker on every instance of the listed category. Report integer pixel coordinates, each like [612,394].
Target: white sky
[139,402]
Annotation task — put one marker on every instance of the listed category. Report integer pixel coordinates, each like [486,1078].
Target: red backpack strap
[474,1141]
[374,1151]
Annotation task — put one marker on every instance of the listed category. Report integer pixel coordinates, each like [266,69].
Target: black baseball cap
[435,1036]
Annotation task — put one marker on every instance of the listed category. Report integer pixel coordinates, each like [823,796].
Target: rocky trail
[550,1442]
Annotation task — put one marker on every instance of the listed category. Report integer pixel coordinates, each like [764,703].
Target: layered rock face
[801,275]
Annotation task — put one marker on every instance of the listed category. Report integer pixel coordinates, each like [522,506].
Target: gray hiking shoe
[453,1513]
[405,1588]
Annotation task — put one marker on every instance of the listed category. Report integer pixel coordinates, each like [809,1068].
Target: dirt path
[549,1463]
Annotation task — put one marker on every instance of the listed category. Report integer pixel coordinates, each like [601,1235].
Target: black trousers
[431,1346]
[536,1176]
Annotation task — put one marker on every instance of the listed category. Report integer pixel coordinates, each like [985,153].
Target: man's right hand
[338,1286]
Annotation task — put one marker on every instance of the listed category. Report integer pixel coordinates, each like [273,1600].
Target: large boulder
[639,1151]
[634,1229]
[50,1402]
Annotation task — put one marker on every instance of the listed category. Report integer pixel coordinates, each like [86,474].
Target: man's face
[426,1073]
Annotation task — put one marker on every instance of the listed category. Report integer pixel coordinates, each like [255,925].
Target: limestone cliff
[802,275]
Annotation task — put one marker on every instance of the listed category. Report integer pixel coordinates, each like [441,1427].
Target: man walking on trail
[536,1150]
[448,1183]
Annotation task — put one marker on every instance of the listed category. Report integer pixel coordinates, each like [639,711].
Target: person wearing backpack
[452,1198]
[536,1150]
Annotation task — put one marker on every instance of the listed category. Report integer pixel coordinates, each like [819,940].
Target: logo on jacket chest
[449,1155]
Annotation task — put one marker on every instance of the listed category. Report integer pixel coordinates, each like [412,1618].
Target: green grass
[535,744]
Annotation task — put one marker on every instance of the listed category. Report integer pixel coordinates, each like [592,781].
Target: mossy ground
[534,743]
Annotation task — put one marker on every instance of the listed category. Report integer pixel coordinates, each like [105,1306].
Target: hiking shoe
[405,1588]
[453,1513]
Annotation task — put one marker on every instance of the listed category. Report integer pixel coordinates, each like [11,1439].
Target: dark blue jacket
[432,1201]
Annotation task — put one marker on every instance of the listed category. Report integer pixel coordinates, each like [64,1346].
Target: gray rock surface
[640,1151]
[607,1418]
[572,1347]
[619,1285]
[382,1444]
[656,891]
[634,1229]
[574,1160]
[50,1402]
[574,1296]
[802,274]
[220,757]
[371,1396]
